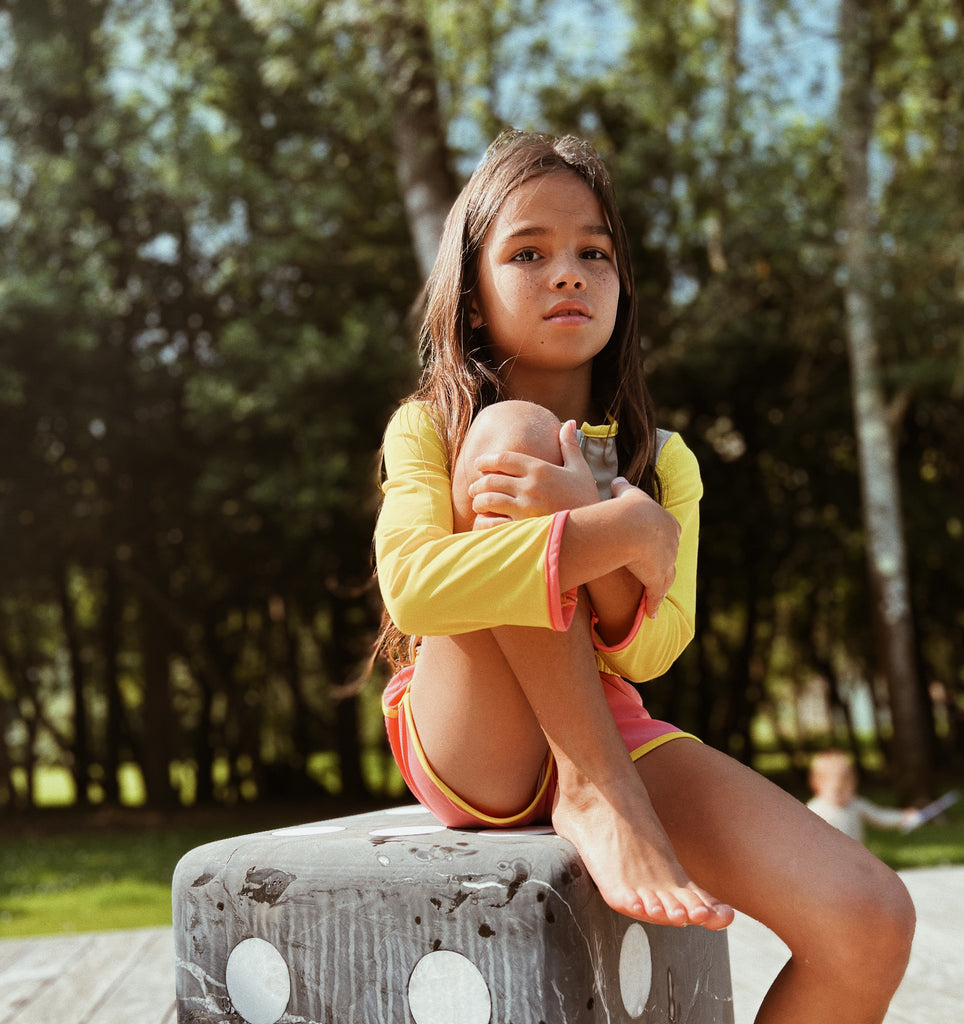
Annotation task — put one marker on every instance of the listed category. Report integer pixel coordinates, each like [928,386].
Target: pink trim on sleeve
[562,607]
[604,648]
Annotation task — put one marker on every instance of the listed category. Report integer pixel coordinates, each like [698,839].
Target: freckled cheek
[516,298]
[603,275]
[604,282]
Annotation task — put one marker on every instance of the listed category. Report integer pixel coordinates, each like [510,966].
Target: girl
[532,580]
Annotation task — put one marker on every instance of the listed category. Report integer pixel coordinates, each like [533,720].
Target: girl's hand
[510,485]
[659,534]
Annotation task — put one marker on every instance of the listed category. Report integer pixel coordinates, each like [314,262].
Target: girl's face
[548,285]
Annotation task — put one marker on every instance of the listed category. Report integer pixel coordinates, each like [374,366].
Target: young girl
[525,580]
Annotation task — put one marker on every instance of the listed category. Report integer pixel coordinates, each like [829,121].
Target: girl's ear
[475,317]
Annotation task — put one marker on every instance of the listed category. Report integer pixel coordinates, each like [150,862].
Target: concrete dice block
[391,918]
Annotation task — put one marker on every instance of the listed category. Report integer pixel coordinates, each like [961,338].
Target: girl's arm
[601,538]
[437,582]
[631,531]
[524,572]
[651,645]
[513,485]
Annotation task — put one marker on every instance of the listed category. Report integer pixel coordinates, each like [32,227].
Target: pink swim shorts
[640,733]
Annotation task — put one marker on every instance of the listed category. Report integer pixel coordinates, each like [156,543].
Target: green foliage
[92,881]
[203,306]
[932,845]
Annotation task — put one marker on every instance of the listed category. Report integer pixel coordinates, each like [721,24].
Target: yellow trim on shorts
[451,794]
[659,741]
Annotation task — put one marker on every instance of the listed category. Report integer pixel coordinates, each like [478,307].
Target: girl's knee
[510,426]
[894,920]
[515,426]
[869,940]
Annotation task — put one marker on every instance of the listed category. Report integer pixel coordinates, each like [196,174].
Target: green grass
[67,872]
[100,878]
[90,882]
[931,845]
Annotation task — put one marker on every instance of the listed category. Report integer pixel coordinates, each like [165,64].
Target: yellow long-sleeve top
[438,583]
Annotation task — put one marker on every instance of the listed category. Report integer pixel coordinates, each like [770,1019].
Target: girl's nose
[568,276]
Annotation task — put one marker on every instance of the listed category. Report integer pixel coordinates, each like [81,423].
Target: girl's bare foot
[630,858]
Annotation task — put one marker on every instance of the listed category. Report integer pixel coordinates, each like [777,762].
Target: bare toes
[677,913]
[722,917]
[686,906]
[698,908]
[642,906]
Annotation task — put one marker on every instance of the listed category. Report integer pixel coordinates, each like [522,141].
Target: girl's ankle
[579,792]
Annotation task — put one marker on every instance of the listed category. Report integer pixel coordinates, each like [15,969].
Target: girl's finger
[503,463]
[492,502]
[492,483]
[569,442]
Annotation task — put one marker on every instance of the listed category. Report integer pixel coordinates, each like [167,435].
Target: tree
[422,163]
[203,337]
[920,121]
[880,490]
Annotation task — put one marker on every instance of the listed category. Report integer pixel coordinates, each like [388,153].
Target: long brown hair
[459,376]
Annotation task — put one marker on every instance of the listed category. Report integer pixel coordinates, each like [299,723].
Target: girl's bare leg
[601,807]
[488,704]
[846,917]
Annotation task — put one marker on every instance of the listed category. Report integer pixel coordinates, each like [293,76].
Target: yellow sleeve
[654,644]
[438,583]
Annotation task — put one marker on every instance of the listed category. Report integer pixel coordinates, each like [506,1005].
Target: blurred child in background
[833,780]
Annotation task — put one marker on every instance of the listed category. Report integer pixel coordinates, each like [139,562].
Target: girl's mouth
[569,310]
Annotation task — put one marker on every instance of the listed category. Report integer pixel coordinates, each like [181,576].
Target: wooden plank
[756,957]
[27,966]
[82,978]
[146,991]
[90,979]
[931,989]
[16,953]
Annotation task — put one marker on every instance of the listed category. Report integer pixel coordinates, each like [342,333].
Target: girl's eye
[595,254]
[525,256]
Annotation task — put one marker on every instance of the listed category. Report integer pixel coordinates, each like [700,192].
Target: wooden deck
[117,977]
[128,977]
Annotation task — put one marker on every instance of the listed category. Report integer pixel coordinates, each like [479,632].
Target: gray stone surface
[389,918]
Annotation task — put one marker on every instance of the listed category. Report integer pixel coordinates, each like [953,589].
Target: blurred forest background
[215,220]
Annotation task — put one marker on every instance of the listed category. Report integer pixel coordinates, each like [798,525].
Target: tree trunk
[886,553]
[156,740]
[342,659]
[80,745]
[422,166]
[110,644]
